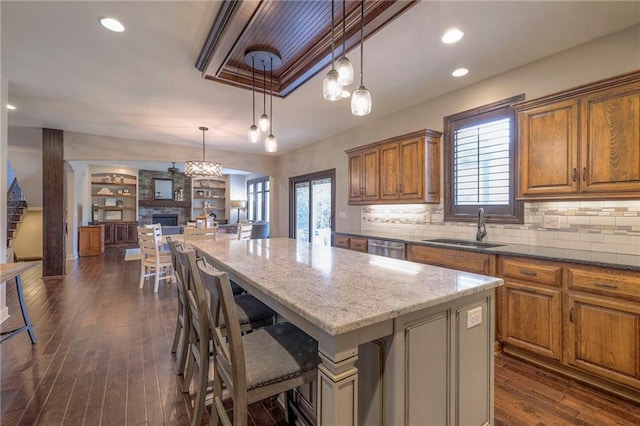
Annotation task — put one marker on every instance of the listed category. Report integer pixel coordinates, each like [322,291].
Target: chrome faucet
[482,229]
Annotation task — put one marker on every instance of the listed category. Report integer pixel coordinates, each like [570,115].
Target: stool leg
[23,308]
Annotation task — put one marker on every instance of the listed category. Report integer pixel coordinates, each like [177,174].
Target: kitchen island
[400,342]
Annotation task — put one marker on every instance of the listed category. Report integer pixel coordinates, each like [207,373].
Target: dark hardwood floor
[103,357]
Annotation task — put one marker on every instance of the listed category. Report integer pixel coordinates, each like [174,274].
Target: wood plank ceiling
[298,30]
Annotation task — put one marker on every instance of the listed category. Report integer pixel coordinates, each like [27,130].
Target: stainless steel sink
[464,242]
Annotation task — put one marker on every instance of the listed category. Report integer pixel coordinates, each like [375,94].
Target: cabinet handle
[584,173]
[528,273]
[606,285]
[529,290]
[574,174]
[571,314]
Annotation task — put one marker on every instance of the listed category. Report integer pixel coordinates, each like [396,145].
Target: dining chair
[200,234]
[244,230]
[254,314]
[180,344]
[157,229]
[257,365]
[154,262]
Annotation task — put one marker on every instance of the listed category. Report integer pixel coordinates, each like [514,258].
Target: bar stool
[256,365]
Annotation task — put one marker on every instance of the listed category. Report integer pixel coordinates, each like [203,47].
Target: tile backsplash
[606,226]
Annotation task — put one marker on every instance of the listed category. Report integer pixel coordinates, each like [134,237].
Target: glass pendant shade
[263,122]
[345,71]
[202,169]
[254,134]
[271,144]
[361,101]
[331,87]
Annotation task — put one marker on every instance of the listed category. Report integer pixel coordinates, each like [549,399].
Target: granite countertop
[596,258]
[338,290]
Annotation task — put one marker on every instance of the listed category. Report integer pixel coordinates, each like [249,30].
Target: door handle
[571,314]
[574,174]
[584,173]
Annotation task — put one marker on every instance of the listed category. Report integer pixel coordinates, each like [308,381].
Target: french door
[312,206]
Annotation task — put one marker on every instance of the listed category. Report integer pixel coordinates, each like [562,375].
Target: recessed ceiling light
[112,24]
[9,106]
[452,35]
[460,72]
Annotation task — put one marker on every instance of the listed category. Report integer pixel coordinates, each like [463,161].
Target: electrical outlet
[552,222]
[474,317]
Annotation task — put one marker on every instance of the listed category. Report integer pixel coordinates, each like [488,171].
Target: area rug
[132,254]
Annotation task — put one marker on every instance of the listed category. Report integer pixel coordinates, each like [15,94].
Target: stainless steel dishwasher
[386,248]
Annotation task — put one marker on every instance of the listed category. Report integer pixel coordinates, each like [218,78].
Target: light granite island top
[345,299]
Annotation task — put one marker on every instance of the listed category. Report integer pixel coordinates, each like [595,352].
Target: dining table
[12,271]
[414,314]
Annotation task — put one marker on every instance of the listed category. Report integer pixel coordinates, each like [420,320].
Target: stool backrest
[200,234]
[244,231]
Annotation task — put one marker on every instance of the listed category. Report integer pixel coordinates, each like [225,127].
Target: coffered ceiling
[298,31]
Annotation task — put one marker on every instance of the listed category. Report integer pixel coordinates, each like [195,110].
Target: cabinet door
[132,233]
[548,149]
[610,140]
[355,176]
[603,337]
[108,233]
[532,318]
[119,233]
[412,168]
[432,161]
[341,241]
[370,174]
[389,171]
[478,263]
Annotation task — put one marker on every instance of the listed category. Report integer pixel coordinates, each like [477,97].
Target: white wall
[601,58]
[25,154]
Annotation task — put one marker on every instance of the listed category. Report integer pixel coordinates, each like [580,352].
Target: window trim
[514,212]
[265,192]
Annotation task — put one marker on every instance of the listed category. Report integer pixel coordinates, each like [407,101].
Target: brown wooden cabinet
[403,169]
[532,306]
[603,323]
[582,143]
[480,263]
[351,243]
[120,233]
[364,169]
[90,240]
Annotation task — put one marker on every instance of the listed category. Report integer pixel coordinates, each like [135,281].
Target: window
[258,199]
[481,163]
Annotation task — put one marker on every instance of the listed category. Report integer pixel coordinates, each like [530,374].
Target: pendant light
[254,133]
[361,99]
[270,143]
[331,87]
[263,122]
[202,169]
[344,66]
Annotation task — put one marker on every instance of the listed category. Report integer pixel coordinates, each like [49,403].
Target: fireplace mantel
[164,203]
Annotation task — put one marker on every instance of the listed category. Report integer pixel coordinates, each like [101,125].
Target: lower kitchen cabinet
[90,240]
[120,233]
[352,243]
[532,311]
[603,337]
[480,263]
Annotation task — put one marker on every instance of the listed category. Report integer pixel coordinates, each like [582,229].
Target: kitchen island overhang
[350,302]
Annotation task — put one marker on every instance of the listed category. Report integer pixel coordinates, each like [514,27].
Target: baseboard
[28,258]
[72,256]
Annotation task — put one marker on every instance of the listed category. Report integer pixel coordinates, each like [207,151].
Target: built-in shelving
[114,197]
[209,197]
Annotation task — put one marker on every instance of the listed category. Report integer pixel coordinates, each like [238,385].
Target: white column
[337,391]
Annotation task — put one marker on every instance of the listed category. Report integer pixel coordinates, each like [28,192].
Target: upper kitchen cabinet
[583,143]
[403,169]
[364,169]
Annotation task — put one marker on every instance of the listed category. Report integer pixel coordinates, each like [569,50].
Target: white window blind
[481,164]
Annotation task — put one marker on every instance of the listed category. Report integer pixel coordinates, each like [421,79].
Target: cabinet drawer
[478,263]
[358,244]
[342,242]
[527,270]
[610,282]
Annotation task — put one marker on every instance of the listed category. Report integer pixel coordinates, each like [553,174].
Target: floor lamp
[238,204]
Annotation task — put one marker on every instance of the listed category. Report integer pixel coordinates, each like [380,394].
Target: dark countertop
[596,258]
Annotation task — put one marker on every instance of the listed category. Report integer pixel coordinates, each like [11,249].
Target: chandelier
[202,169]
